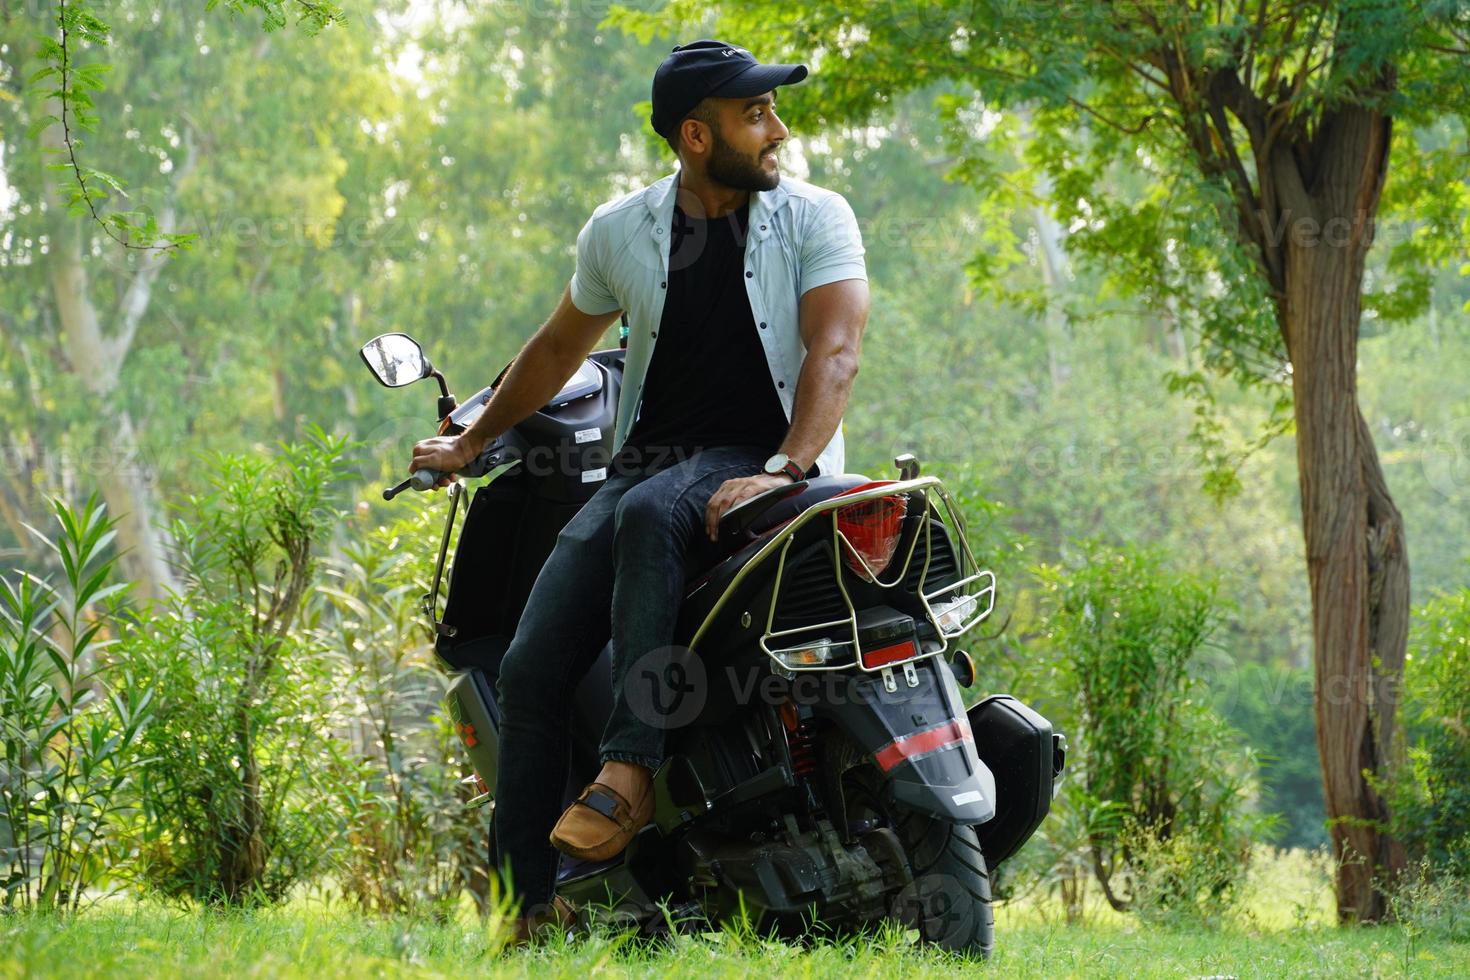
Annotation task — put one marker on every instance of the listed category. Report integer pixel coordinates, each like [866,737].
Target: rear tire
[948,901]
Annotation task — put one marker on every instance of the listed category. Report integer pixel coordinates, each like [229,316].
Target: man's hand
[447,454]
[735,491]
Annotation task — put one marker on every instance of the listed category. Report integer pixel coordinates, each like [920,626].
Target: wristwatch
[781,463]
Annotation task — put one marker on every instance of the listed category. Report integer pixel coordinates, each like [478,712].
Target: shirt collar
[659,199]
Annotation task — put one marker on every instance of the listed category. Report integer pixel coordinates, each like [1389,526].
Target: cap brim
[758,80]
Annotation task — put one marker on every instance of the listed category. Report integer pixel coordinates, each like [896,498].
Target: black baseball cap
[701,69]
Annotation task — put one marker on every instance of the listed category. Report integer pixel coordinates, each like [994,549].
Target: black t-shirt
[708,382]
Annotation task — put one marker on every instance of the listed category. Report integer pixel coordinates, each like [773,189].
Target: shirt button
[653,333]
[658,231]
[763,227]
[663,285]
[780,384]
[749,275]
[763,326]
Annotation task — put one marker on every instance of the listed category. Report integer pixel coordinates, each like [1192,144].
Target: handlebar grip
[425,479]
[421,480]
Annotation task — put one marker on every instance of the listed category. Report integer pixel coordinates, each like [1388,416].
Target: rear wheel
[948,901]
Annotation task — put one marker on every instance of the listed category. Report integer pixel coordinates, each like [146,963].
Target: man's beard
[728,167]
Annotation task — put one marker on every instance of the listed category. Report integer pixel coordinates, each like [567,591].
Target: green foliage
[70,720]
[1431,795]
[1272,706]
[1183,876]
[1152,761]
[242,793]
[412,847]
[77,27]
[1148,131]
[1433,903]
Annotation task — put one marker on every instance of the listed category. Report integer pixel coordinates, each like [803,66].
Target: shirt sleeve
[589,287]
[832,248]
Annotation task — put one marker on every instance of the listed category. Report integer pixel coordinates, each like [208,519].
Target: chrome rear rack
[780,544]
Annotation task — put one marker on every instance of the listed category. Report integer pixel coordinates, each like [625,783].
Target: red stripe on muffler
[919,743]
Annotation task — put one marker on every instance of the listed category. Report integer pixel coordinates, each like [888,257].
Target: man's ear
[693,136]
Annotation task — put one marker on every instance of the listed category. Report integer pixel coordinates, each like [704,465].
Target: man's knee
[524,678]
[641,511]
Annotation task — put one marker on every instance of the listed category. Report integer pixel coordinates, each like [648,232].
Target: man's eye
[757,116]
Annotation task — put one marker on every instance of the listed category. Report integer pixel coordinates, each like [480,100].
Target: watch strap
[794,470]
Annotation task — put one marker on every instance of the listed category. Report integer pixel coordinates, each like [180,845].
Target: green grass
[1282,931]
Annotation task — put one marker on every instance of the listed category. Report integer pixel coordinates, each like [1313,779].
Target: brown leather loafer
[601,823]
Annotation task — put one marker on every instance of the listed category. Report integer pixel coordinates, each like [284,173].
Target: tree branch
[135,299]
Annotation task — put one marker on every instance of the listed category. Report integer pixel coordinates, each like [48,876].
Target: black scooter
[826,770]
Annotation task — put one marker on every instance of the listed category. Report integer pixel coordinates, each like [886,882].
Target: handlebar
[420,480]
[493,455]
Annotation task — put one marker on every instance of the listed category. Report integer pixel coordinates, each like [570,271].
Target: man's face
[743,143]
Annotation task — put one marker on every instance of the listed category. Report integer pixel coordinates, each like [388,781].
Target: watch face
[777,463]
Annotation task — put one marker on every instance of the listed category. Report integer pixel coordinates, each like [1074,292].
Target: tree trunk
[120,469]
[1053,272]
[1356,559]
[96,355]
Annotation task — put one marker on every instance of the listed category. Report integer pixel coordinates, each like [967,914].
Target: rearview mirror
[395,359]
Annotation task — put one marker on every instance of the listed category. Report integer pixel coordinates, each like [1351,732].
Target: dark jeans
[617,571]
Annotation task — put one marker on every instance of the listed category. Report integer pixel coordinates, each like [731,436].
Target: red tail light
[872,528]
[883,656]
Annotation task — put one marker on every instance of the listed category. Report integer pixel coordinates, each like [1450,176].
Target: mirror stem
[447,404]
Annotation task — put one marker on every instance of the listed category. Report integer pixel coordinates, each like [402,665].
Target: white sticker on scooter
[973,796]
[592,476]
[588,435]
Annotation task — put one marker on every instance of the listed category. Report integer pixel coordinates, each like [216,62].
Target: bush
[70,735]
[1162,780]
[1430,796]
[1182,877]
[413,847]
[1433,902]
[243,789]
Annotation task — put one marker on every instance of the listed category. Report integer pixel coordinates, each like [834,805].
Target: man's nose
[781,131]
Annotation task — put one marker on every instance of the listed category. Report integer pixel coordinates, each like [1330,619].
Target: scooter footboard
[1027,758]
[919,739]
[470,699]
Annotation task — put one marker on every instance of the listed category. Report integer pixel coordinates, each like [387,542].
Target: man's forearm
[822,390]
[535,376]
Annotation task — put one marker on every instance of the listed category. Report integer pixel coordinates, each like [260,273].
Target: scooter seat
[817,490]
[706,581]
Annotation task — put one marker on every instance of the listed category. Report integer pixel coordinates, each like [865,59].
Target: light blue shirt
[799,237]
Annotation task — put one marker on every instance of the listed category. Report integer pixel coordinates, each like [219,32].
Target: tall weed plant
[412,846]
[244,787]
[71,720]
[1164,784]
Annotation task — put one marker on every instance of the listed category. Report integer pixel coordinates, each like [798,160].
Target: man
[746,299]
